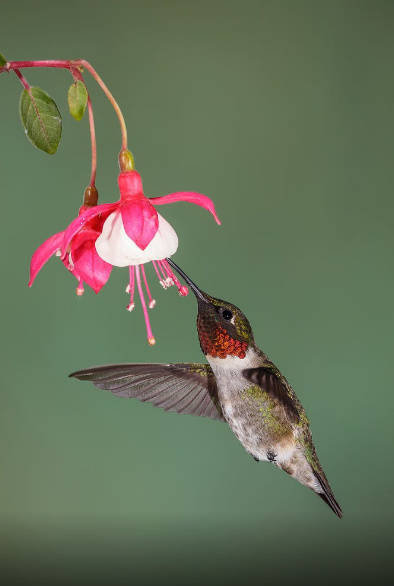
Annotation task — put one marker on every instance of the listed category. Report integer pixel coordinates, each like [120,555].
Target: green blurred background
[282,112]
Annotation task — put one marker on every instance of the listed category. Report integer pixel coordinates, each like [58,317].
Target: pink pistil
[152,302]
[151,339]
[130,289]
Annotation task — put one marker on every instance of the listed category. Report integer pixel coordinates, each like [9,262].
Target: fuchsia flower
[129,233]
[81,260]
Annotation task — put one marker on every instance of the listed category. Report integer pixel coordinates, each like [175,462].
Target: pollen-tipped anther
[80,290]
[183,291]
[152,303]
[130,306]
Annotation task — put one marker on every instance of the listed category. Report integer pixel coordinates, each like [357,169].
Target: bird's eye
[227,314]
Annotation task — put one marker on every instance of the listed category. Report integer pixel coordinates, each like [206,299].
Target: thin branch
[65,64]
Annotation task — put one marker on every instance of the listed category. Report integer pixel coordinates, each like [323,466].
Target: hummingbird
[240,385]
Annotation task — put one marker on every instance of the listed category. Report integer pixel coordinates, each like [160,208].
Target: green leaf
[41,119]
[3,60]
[77,99]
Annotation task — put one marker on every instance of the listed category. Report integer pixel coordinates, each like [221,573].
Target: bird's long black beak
[197,292]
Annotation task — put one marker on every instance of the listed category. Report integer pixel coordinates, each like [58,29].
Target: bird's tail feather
[327,494]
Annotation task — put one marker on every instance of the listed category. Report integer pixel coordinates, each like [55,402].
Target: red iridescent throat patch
[221,344]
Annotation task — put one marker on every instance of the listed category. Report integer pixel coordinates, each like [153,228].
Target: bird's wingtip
[80,374]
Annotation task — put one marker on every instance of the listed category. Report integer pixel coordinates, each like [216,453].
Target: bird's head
[223,329]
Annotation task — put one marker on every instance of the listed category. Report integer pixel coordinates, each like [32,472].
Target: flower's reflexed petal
[140,220]
[116,248]
[190,196]
[92,269]
[44,253]
[77,224]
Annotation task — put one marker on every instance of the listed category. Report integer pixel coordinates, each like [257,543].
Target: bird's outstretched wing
[183,388]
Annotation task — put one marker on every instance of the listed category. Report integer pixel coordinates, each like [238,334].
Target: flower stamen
[164,280]
[130,288]
[151,339]
[152,302]
[182,289]
[168,278]
[80,289]
[157,272]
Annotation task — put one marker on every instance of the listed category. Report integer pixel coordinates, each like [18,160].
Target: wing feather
[269,379]
[183,388]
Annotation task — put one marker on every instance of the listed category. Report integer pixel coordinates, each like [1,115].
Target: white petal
[114,246]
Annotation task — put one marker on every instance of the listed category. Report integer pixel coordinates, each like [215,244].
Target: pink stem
[92,142]
[59,63]
[78,75]
[22,79]
[151,338]
[110,97]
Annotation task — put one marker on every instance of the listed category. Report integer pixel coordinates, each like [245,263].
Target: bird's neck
[234,364]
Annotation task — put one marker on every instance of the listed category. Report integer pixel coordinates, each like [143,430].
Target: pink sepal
[92,269]
[43,254]
[130,184]
[140,220]
[77,224]
[190,196]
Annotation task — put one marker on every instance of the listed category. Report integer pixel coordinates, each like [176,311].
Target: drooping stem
[78,75]
[66,64]
[93,143]
[115,105]
[23,80]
